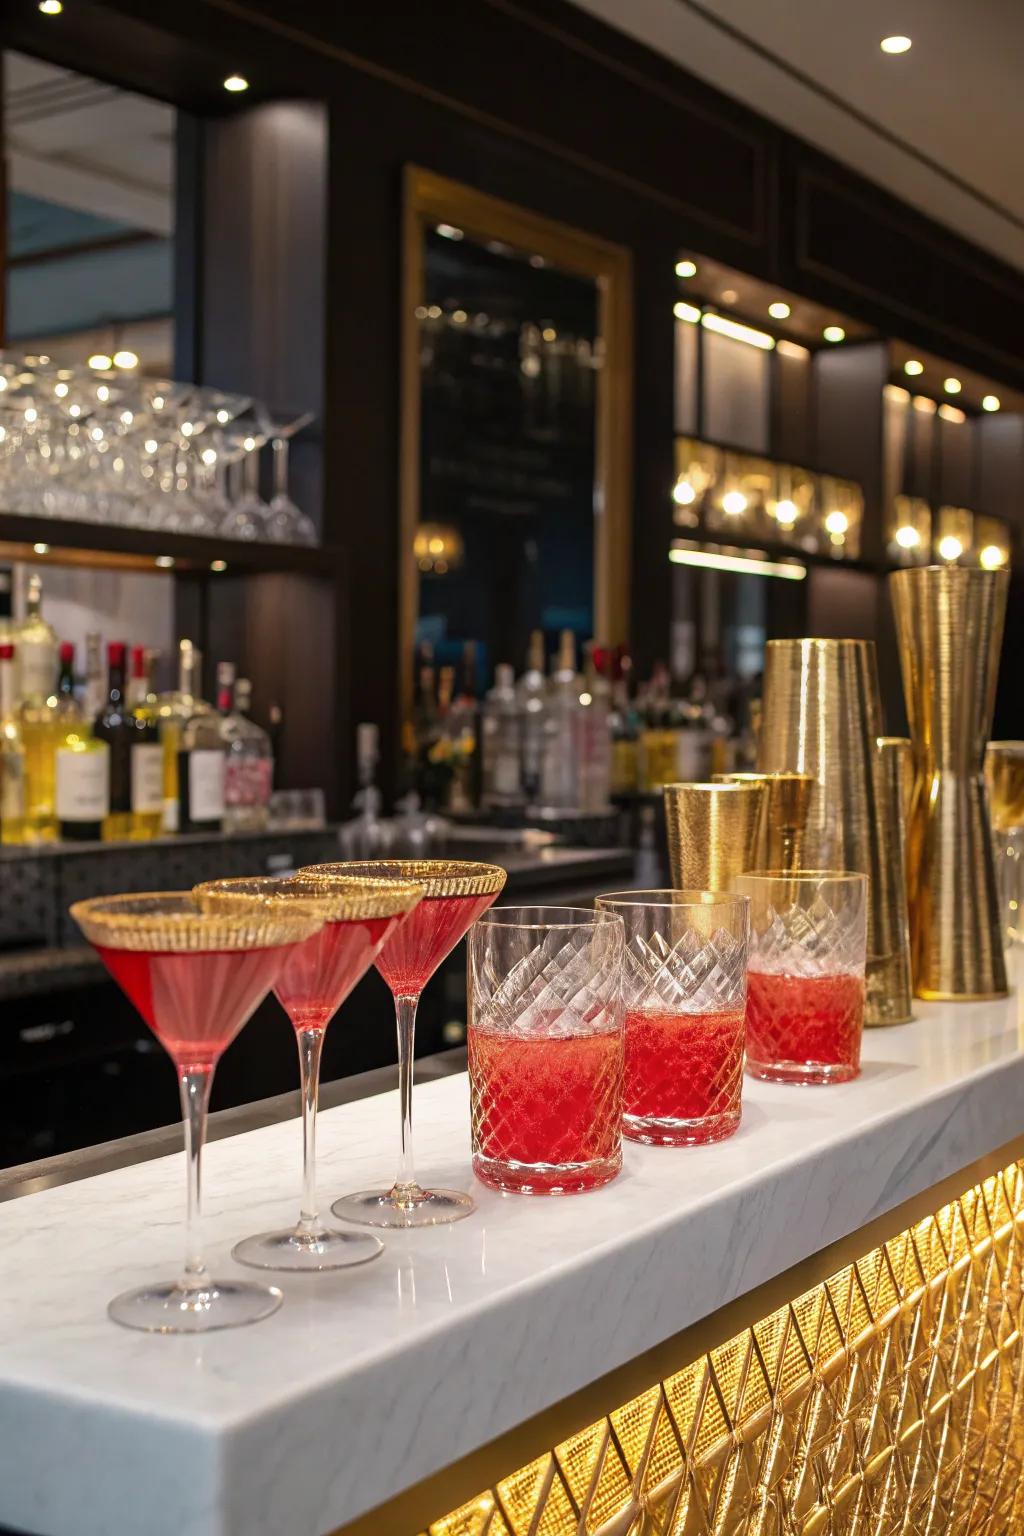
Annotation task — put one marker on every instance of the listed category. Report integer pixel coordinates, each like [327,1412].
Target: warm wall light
[895,44]
[737,332]
[907,537]
[990,403]
[449,231]
[44,549]
[897,394]
[925,405]
[683,493]
[834,333]
[992,557]
[734,502]
[688,312]
[236,83]
[913,367]
[218,566]
[837,522]
[100,361]
[952,413]
[786,512]
[743,565]
[50,7]
[952,386]
[791,349]
[779,310]
[165,562]
[950,548]
[126,359]
[686,269]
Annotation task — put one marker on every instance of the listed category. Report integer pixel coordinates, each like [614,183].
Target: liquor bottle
[12,754]
[147,761]
[36,656]
[249,769]
[81,763]
[559,767]
[95,682]
[202,761]
[463,727]
[501,782]
[531,692]
[624,726]
[135,763]
[173,709]
[593,741]
[6,610]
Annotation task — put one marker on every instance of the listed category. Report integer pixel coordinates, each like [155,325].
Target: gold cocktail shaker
[822,716]
[949,625]
[714,832]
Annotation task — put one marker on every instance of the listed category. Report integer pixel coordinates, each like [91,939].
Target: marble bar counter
[383,1383]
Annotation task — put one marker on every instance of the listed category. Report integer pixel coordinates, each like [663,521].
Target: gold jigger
[896,782]
[788,800]
[713,832]
[949,625]
[823,716]
[1004,778]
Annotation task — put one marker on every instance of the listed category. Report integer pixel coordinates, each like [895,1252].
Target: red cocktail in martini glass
[196,977]
[316,979]
[456,893]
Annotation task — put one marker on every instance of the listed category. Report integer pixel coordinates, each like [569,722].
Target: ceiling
[77,147]
[941,127]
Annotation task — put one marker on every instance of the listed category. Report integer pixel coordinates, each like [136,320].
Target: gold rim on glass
[666,898]
[340,900]
[438,877]
[171,922]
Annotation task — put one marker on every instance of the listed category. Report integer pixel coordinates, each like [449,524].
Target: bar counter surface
[367,1382]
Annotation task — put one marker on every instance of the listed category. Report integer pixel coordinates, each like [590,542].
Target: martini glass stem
[195,1084]
[311,1043]
[406,1187]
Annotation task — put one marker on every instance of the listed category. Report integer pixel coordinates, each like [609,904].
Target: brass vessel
[713,833]
[823,716]
[787,802]
[896,768]
[949,625]
[1004,778]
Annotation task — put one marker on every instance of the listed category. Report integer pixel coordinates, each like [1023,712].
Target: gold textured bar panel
[888,1399]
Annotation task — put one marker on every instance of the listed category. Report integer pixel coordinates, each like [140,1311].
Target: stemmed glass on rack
[195,977]
[316,979]
[456,894]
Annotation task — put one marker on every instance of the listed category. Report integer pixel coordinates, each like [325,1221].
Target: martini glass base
[170,1308]
[414,1208]
[307,1253]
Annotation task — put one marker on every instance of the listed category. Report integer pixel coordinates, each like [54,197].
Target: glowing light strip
[738,332]
[744,565]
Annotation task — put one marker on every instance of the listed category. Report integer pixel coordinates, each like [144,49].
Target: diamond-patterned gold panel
[887,1400]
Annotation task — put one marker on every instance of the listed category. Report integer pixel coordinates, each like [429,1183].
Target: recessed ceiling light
[734,503]
[50,7]
[992,557]
[990,403]
[913,367]
[895,45]
[165,562]
[449,231]
[688,312]
[126,359]
[686,269]
[952,386]
[41,549]
[950,548]
[952,413]
[729,295]
[907,537]
[779,310]
[236,83]
[837,522]
[218,566]
[726,327]
[100,361]
[786,512]
[834,333]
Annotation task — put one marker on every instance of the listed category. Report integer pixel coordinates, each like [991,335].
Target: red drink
[804,1029]
[546,1110]
[195,1001]
[429,933]
[321,971]
[684,1073]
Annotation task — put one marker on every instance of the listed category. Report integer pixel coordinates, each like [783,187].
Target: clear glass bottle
[249,769]
[593,742]
[501,764]
[559,767]
[35,651]
[531,692]
[464,732]
[173,709]
[35,648]
[202,761]
[12,753]
[81,763]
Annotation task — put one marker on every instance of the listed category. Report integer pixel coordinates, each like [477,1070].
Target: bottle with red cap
[136,761]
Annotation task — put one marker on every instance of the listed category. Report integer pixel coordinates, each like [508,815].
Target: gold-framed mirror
[476,485]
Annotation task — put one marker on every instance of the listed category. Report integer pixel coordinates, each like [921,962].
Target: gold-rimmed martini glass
[456,894]
[359,916]
[195,977]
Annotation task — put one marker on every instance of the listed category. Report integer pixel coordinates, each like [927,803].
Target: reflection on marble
[370,1379]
